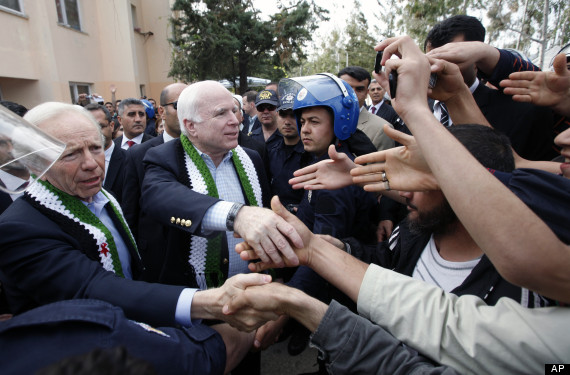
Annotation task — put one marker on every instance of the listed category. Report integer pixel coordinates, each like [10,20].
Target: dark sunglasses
[263,107]
[174,105]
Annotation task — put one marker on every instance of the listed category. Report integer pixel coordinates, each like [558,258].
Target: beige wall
[41,57]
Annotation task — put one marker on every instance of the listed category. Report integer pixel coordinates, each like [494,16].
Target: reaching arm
[542,88]
[510,232]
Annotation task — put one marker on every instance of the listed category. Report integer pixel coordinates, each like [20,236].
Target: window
[143,91]
[11,5]
[78,88]
[68,13]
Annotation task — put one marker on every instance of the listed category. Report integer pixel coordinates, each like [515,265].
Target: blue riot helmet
[149,109]
[326,90]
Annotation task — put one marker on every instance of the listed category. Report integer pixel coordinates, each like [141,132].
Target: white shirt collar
[137,139]
[167,137]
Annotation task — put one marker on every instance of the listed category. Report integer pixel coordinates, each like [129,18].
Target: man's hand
[404,166]
[449,80]
[268,234]
[281,300]
[330,174]
[302,253]
[384,230]
[269,333]
[413,75]
[209,304]
[465,54]
[542,88]
[332,240]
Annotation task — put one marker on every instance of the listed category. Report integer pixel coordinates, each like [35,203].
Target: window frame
[14,11]
[61,8]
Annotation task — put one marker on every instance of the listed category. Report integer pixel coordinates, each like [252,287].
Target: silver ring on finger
[387,185]
[384,178]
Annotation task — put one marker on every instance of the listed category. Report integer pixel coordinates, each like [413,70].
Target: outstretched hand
[330,174]
[405,167]
[301,252]
[268,234]
[542,88]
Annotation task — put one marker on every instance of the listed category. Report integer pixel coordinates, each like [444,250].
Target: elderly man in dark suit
[66,238]
[203,186]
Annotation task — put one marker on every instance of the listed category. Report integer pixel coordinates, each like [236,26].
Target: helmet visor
[26,152]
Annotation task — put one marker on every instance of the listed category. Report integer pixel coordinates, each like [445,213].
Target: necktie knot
[373,110]
[130,143]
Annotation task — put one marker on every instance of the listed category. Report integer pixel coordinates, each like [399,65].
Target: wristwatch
[230,220]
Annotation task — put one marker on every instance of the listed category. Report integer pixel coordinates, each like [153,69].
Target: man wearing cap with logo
[266,103]
[285,156]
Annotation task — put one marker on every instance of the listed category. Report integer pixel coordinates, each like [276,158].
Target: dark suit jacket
[526,125]
[148,233]
[115,177]
[146,137]
[42,262]
[166,195]
[64,329]
[387,112]
[256,125]
[5,201]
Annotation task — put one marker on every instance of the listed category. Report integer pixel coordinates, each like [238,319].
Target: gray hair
[127,102]
[189,103]
[49,110]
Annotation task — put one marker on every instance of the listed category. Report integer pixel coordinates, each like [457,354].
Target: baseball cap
[267,97]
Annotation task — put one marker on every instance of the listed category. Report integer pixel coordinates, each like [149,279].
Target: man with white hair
[205,188]
[67,238]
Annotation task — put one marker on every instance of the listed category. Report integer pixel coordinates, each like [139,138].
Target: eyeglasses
[174,105]
[263,107]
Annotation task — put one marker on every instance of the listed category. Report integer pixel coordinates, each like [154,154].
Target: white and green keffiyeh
[205,253]
[51,198]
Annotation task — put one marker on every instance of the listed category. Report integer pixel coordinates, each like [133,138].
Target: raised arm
[501,224]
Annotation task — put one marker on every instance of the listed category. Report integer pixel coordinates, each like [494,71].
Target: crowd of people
[424,233]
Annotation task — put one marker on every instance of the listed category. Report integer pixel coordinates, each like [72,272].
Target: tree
[217,39]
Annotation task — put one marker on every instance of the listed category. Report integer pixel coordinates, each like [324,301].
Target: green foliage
[217,39]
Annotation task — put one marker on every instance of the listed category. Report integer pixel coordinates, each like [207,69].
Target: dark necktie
[444,119]
[130,143]
[373,110]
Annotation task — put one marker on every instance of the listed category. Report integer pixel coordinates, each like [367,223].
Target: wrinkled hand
[262,300]
[405,167]
[465,54]
[330,174]
[247,252]
[542,88]
[246,319]
[269,333]
[268,234]
[384,230]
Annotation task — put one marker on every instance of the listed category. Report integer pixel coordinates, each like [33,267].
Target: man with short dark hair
[285,156]
[114,156]
[250,120]
[132,117]
[523,123]
[359,79]
[380,107]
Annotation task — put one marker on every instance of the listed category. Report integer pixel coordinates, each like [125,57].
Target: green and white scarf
[205,253]
[51,198]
